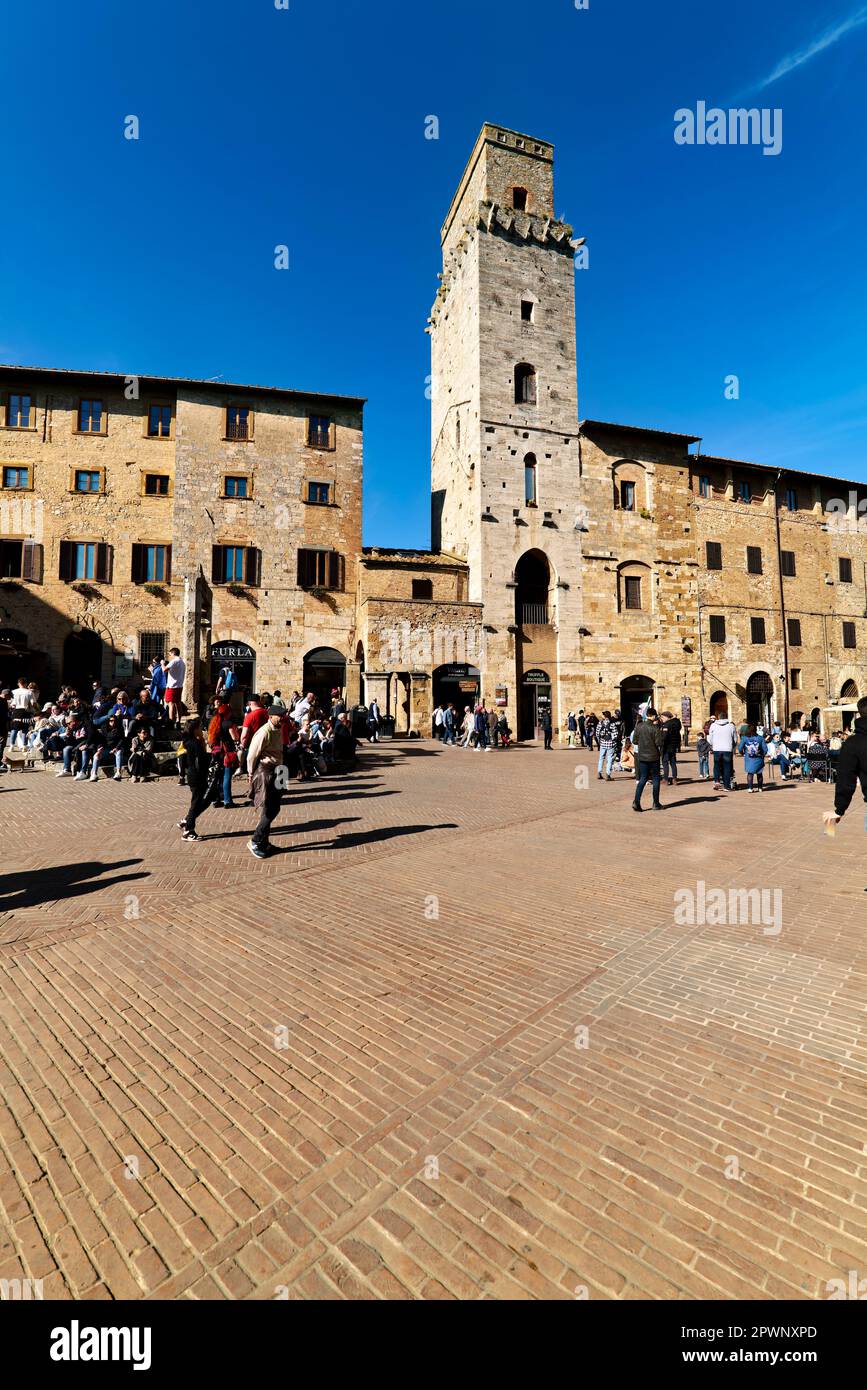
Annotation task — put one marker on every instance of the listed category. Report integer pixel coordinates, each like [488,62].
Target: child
[703,749]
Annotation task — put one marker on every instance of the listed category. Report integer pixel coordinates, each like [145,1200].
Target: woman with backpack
[755,750]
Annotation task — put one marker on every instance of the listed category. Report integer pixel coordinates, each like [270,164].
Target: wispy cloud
[825,40]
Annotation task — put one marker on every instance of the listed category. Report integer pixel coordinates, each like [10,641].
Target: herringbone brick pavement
[452,1041]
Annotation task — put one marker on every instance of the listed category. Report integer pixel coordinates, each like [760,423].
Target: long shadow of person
[60,881]
[369,837]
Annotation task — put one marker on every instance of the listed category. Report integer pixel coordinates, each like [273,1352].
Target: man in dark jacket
[546,726]
[672,729]
[648,740]
[204,777]
[851,767]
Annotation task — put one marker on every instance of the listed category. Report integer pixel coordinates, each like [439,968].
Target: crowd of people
[478,728]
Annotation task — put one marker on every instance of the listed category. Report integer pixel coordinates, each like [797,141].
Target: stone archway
[760,699]
[635,691]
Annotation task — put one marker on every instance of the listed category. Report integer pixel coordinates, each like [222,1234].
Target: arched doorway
[635,691]
[324,671]
[797,719]
[535,701]
[719,705]
[760,694]
[240,658]
[532,589]
[457,682]
[815,718]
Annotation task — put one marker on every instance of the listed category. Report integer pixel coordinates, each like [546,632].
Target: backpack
[230,682]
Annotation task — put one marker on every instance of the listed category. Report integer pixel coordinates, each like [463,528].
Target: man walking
[176,673]
[648,740]
[373,721]
[723,739]
[263,759]
[582,728]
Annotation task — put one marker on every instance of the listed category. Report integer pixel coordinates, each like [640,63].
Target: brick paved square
[450,1042]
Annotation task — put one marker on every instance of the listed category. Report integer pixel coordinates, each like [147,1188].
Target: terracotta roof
[220,386]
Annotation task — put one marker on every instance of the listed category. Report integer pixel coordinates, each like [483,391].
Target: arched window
[525,384]
[849,691]
[533,586]
[519,199]
[530,496]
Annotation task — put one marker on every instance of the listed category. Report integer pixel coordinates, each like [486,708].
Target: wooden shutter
[252,566]
[168,564]
[103,563]
[335,568]
[31,562]
[218,564]
[305,557]
[138,564]
[67,559]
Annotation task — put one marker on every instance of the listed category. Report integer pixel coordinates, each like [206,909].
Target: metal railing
[535,613]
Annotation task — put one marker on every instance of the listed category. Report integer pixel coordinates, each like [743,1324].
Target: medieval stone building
[574,564]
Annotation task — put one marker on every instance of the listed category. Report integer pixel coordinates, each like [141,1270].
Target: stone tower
[505,456]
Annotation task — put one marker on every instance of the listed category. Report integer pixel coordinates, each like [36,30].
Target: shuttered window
[320,569]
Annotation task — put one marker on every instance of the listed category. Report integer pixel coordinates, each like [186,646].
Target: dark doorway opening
[535,701]
[324,671]
[635,691]
[458,683]
[82,661]
[240,659]
[760,692]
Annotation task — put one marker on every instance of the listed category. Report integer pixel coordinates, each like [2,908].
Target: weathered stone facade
[266,453]
[570,562]
[587,544]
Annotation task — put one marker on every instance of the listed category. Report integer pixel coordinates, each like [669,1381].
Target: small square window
[238,422]
[319,431]
[19,410]
[14,477]
[236,486]
[319,493]
[422,588]
[519,199]
[90,417]
[156,485]
[87,480]
[159,421]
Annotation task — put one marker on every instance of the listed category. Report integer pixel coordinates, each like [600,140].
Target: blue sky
[305,126]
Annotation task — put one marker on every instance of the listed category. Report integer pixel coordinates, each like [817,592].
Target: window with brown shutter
[67,560]
[845,570]
[252,566]
[787,563]
[757,631]
[320,569]
[794,630]
[717,628]
[713,555]
[754,559]
[849,635]
[632,591]
[31,561]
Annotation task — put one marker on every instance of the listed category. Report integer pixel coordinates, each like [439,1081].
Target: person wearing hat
[264,757]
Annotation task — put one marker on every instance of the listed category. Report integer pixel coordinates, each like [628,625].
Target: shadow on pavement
[57,883]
